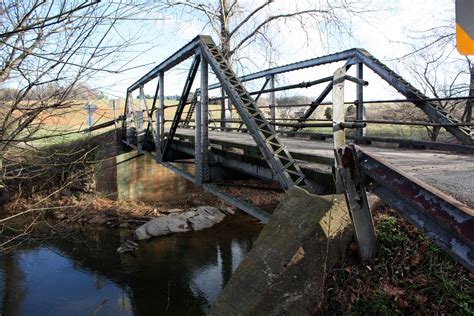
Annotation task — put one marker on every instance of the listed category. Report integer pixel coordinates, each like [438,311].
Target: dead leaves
[397,294]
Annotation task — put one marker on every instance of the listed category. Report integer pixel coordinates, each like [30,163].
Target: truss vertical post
[128,120]
[198,145]
[140,119]
[223,116]
[357,202]
[202,125]
[338,112]
[160,116]
[272,100]
[150,113]
[360,109]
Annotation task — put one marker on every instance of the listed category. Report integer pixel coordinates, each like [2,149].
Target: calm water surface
[177,275]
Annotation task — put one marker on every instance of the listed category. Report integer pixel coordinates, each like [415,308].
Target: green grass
[410,276]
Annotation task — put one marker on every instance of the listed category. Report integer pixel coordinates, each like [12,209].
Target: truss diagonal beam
[277,156]
[192,106]
[314,105]
[182,102]
[434,112]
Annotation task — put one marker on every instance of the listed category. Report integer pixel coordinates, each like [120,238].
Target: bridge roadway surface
[451,173]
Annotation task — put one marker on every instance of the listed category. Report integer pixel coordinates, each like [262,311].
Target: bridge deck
[451,173]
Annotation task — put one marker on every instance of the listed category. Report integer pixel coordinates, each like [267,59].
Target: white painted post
[338,113]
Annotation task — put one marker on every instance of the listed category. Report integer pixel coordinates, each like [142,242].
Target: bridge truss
[446,221]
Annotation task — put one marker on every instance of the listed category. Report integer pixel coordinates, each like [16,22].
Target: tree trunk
[225,34]
[226,106]
[467,116]
[434,133]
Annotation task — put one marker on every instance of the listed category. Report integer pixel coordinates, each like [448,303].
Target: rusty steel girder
[446,221]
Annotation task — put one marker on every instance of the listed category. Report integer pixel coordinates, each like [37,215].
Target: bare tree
[445,72]
[239,24]
[428,67]
[53,47]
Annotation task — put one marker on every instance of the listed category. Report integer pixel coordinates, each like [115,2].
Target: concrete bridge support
[284,272]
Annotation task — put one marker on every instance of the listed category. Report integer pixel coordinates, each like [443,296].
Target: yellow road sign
[465,26]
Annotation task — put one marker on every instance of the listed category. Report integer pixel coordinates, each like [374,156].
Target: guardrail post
[338,112]
[360,109]
[160,114]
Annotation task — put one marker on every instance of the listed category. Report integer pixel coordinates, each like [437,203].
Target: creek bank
[132,214]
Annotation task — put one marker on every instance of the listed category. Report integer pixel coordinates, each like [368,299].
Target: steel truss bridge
[419,179]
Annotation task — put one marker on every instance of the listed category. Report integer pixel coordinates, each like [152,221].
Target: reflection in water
[140,178]
[177,275]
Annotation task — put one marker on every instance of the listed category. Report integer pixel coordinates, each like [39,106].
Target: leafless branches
[238,24]
[48,49]
[440,71]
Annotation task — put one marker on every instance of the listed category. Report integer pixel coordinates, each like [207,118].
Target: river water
[83,275]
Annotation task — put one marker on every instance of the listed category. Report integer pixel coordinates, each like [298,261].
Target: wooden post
[338,112]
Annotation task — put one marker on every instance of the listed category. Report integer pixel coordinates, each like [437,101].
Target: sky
[384,32]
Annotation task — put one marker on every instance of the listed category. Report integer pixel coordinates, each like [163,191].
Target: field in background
[74,119]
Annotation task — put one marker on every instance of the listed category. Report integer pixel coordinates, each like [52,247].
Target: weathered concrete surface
[194,219]
[284,272]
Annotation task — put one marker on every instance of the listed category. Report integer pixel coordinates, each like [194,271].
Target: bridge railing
[445,220]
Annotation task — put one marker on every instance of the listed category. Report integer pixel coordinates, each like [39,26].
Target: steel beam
[150,117]
[279,159]
[129,118]
[184,53]
[239,203]
[411,92]
[204,99]
[357,202]
[446,221]
[182,103]
[160,118]
[272,99]
[201,143]
[360,109]
[318,61]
